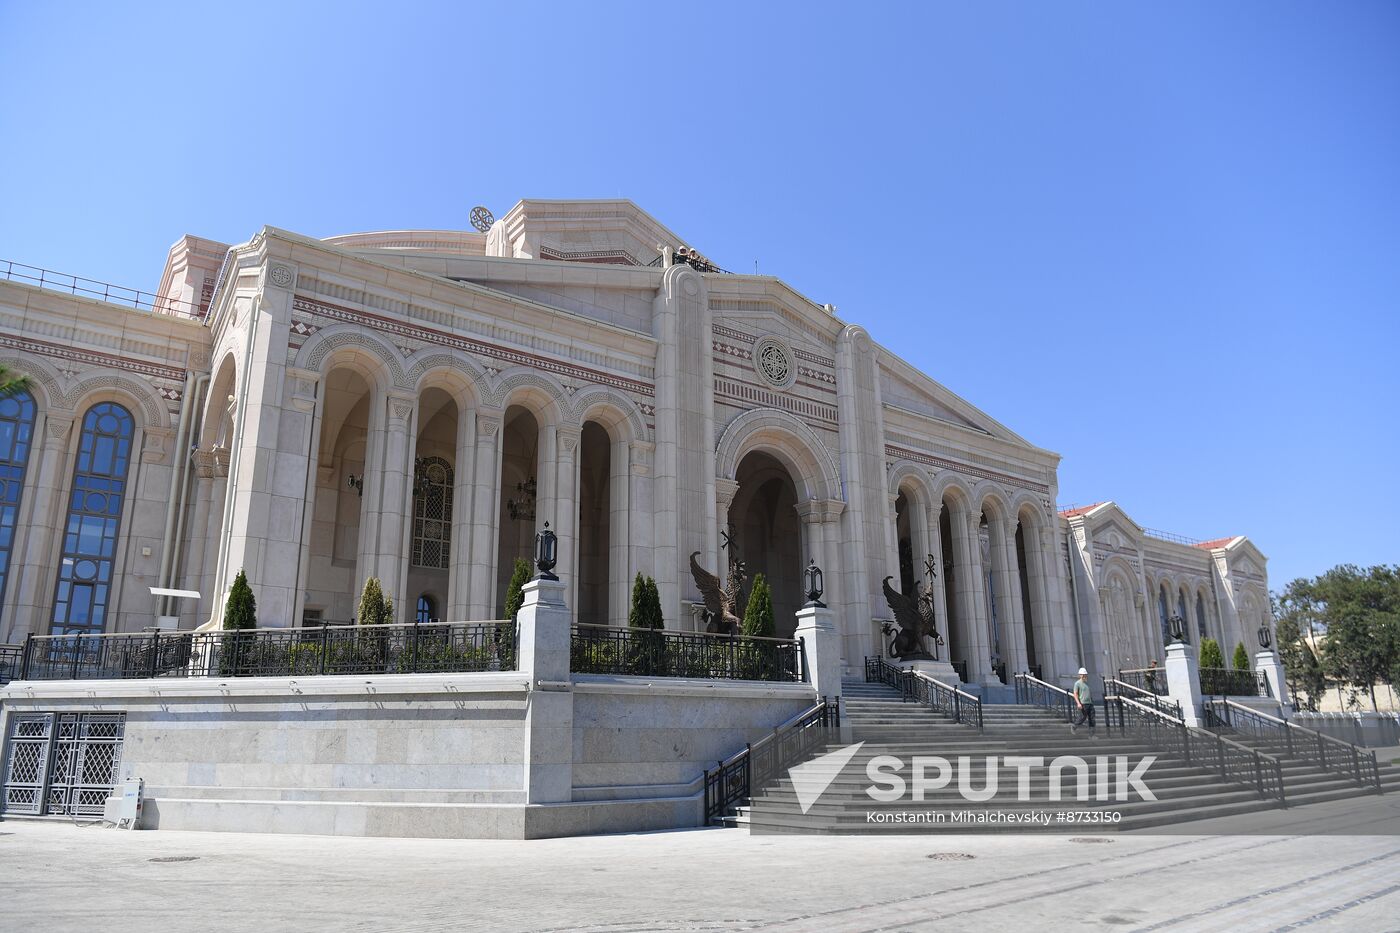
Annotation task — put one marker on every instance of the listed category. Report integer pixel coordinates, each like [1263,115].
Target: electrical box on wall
[124,812]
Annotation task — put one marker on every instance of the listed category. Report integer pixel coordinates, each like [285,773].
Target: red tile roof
[1079,510]
[1218,542]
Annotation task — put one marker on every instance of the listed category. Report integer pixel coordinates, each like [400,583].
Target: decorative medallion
[281,276]
[774,362]
[482,219]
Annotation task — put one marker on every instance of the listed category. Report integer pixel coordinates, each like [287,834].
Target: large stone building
[414,405]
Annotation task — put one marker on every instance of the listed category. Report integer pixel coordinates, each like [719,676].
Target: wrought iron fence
[1286,738]
[958,705]
[1224,681]
[1151,680]
[1233,762]
[1162,704]
[444,647]
[603,649]
[101,291]
[733,781]
[1033,691]
[11,658]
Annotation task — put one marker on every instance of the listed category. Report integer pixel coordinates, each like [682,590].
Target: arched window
[16,435]
[1201,616]
[94,517]
[427,610]
[432,514]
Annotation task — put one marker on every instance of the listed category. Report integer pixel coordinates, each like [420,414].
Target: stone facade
[414,405]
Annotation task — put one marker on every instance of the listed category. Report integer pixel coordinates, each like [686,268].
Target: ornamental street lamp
[356,483]
[546,553]
[813,575]
[1266,637]
[1177,626]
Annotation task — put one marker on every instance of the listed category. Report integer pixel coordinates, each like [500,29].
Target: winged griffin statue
[721,603]
[916,622]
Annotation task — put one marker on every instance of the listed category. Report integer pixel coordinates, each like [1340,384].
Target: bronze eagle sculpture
[916,622]
[721,603]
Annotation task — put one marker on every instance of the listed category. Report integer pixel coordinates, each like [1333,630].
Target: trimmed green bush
[1210,653]
[515,590]
[1241,657]
[373,609]
[758,616]
[637,613]
[241,610]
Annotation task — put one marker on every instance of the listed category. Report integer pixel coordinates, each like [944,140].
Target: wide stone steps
[890,725]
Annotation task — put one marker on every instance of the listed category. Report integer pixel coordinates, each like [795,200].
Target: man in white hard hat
[1084,701]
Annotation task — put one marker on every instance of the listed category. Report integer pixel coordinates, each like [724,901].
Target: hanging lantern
[1177,626]
[1266,637]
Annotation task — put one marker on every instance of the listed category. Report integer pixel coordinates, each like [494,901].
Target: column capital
[488,422]
[400,404]
[57,426]
[568,436]
[725,491]
[640,460]
[206,463]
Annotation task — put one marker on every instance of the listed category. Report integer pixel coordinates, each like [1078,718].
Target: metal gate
[62,764]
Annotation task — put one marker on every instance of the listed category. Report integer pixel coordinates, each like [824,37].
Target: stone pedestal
[941,671]
[1184,681]
[821,647]
[545,630]
[1271,667]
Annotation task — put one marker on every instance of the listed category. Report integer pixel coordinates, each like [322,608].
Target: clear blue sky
[1161,239]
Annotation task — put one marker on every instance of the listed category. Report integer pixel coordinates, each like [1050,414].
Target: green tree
[373,608]
[515,590]
[637,613]
[655,618]
[1210,653]
[1361,612]
[758,615]
[241,610]
[1241,657]
[1295,617]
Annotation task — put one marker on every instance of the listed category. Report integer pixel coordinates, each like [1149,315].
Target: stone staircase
[888,725]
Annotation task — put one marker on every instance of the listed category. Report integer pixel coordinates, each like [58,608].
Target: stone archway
[768,533]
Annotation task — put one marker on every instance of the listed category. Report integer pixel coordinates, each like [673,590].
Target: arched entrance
[768,533]
[520,488]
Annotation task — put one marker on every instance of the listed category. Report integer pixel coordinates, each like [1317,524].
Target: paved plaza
[61,877]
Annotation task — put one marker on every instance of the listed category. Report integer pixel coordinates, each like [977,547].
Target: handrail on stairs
[953,702]
[1328,752]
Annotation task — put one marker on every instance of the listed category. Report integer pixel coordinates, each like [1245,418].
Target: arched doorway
[594,524]
[334,575]
[768,533]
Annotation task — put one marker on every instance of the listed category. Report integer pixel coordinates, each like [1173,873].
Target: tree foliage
[515,590]
[1241,659]
[1210,653]
[10,384]
[645,611]
[374,608]
[241,610]
[1358,613]
[758,615]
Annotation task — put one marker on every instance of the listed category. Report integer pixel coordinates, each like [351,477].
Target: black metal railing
[1151,680]
[1294,741]
[11,659]
[1225,681]
[442,647]
[1233,762]
[603,649]
[1033,691]
[958,705]
[101,291]
[732,782]
[1162,704]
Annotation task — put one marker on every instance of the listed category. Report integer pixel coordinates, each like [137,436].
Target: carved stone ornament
[281,276]
[773,360]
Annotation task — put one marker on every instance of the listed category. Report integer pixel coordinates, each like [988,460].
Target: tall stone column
[939,581]
[972,598]
[463,501]
[485,515]
[394,499]
[564,521]
[34,555]
[619,532]
[641,501]
[725,491]
[205,468]
[1009,595]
